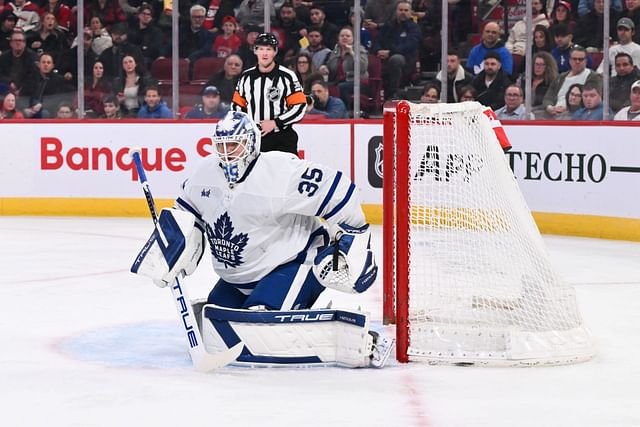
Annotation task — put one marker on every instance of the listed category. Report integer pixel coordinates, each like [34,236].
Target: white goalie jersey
[271,216]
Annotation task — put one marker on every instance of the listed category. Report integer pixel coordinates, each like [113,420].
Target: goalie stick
[203,361]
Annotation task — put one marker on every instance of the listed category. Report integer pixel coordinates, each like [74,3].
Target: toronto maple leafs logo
[205,193]
[226,247]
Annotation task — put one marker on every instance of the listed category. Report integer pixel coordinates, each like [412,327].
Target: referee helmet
[266,39]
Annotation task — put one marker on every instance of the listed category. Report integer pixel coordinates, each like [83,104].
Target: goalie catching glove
[175,247]
[347,264]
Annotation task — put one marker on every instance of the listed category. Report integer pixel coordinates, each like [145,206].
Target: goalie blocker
[295,338]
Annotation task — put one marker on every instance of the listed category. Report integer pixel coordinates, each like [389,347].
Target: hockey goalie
[281,230]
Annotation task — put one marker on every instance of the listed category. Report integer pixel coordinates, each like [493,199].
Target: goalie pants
[291,286]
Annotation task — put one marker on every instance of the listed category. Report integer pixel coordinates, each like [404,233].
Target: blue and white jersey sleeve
[321,191]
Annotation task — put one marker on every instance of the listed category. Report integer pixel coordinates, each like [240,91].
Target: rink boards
[579,179]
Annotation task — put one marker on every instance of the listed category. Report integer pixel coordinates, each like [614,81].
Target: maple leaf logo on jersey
[226,247]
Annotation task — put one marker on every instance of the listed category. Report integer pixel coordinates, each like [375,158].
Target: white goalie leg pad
[175,247]
[347,264]
[290,338]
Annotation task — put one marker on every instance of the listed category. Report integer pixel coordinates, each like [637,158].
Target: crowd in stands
[128,45]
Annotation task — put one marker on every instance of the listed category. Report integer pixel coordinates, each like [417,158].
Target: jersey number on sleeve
[308,184]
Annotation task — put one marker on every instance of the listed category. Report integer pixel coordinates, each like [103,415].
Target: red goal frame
[396,223]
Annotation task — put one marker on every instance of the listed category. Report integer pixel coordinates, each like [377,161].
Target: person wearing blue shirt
[592,99]
[211,107]
[490,42]
[325,104]
[154,107]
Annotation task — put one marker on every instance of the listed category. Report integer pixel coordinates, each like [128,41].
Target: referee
[272,95]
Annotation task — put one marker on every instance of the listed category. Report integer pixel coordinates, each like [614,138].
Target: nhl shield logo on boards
[225,247]
[273,94]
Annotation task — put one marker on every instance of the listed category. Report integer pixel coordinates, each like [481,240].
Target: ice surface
[86,343]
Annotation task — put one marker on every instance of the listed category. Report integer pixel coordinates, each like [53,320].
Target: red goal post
[466,276]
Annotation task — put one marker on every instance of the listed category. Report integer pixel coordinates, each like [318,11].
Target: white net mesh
[481,287]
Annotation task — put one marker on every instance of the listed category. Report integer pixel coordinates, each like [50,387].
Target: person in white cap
[633,111]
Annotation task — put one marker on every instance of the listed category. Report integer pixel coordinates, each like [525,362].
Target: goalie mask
[237,144]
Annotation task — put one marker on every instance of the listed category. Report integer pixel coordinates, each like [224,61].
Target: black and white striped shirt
[276,95]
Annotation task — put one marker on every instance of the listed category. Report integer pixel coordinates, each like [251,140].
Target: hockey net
[467,277]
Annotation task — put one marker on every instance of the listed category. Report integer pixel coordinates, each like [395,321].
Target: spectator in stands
[131,86]
[251,12]
[428,14]
[319,21]
[8,107]
[589,29]
[325,104]
[246,52]
[63,14]
[573,100]
[562,15]
[513,108]
[376,13]
[554,101]
[302,11]
[45,90]
[541,39]
[69,65]
[195,40]
[457,76]
[544,72]
[7,23]
[46,37]
[632,11]
[288,30]
[228,42]
[111,107]
[154,107]
[65,111]
[305,71]
[146,35]
[491,82]
[632,112]
[101,38]
[28,14]
[397,46]
[341,63]
[626,31]
[109,12]
[620,85]
[592,99]
[467,93]
[316,49]
[517,40]
[337,12]
[490,42]
[366,38]
[96,87]
[217,10]
[211,107]
[112,57]
[563,38]
[541,43]
[431,94]
[17,65]
[227,79]
[586,6]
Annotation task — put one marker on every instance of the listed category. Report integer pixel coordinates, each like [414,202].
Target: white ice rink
[86,343]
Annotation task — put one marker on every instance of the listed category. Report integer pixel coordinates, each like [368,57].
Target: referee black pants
[286,140]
